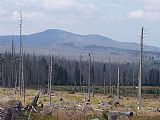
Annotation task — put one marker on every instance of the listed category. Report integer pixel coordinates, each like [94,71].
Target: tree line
[74,72]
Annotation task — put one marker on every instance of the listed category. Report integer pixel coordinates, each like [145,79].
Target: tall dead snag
[118,84]
[21,75]
[1,68]
[13,62]
[84,82]
[104,79]
[140,70]
[20,50]
[89,78]
[93,78]
[50,80]
[80,73]
[23,84]
[110,78]
[133,79]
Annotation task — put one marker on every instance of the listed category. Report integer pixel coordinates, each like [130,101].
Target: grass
[148,100]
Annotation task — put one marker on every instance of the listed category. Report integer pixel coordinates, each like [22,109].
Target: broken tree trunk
[35,100]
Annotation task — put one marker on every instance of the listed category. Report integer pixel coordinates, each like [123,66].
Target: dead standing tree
[20,50]
[104,79]
[118,84]
[21,75]
[13,63]
[1,68]
[140,71]
[93,78]
[89,79]
[80,72]
[110,78]
[50,81]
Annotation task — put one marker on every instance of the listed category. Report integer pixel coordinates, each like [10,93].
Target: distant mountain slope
[62,38]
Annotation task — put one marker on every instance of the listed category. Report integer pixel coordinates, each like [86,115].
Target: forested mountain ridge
[69,45]
[55,37]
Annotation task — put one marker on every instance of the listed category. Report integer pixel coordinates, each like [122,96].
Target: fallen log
[114,115]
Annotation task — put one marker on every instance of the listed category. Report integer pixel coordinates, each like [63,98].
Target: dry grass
[72,99]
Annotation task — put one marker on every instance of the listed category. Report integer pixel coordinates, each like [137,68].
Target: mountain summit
[62,38]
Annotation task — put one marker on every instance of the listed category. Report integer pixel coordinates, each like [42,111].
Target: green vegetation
[129,91]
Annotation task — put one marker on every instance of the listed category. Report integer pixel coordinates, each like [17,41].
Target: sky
[120,20]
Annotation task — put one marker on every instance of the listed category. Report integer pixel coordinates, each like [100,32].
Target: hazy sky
[118,19]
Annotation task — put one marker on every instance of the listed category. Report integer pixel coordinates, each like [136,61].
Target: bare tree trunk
[104,84]
[118,84]
[23,82]
[93,89]
[140,72]
[50,81]
[89,78]
[110,78]
[80,69]
[21,52]
[12,74]
[1,69]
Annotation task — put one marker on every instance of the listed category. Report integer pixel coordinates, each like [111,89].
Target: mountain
[70,44]
[57,37]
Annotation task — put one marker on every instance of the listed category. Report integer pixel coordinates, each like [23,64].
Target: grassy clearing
[72,99]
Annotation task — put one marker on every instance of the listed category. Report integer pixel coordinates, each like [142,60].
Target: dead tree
[1,68]
[89,78]
[110,78]
[50,79]
[20,64]
[118,84]
[93,77]
[13,62]
[133,82]
[140,70]
[35,100]
[80,72]
[104,79]
[32,107]
[21,75]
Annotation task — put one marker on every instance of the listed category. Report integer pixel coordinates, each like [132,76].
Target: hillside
[69,44]
[63,38]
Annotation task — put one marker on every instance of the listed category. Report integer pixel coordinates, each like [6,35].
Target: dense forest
[73,72]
